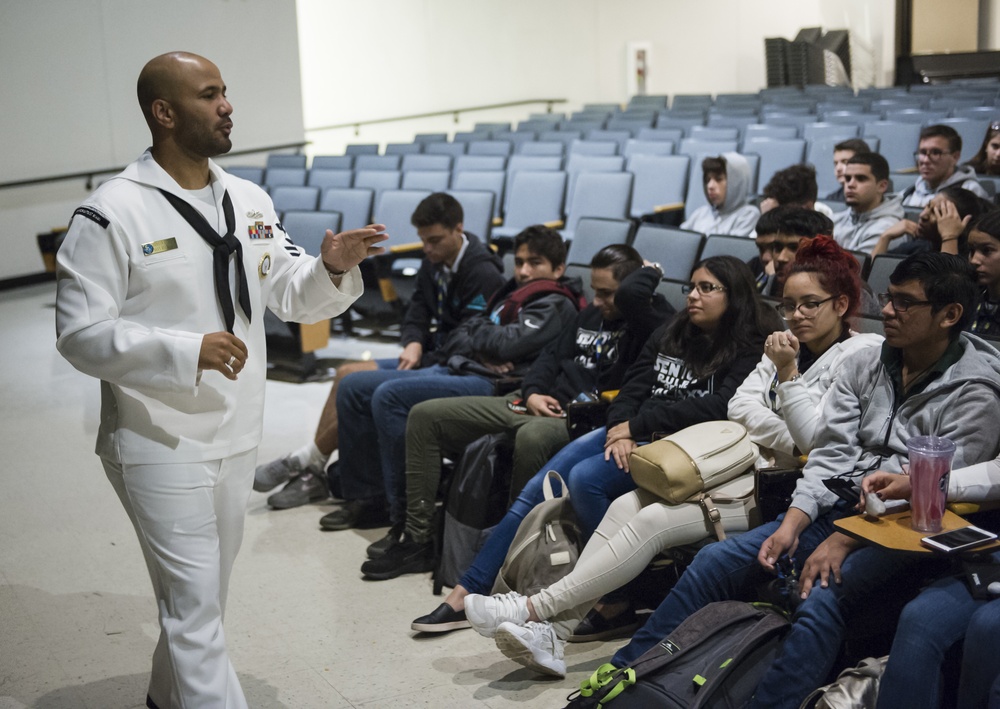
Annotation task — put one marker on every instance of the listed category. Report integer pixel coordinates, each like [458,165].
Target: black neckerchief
[222,248]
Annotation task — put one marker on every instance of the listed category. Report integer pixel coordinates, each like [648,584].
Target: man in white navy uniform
[162,283]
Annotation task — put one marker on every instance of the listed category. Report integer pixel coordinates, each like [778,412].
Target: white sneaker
[533,645]
[486,613]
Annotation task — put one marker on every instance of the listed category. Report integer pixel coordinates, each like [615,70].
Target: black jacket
[660,395]
[575,364]
[479,276]
[527,329]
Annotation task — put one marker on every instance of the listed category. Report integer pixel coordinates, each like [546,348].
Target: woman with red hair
[778,404]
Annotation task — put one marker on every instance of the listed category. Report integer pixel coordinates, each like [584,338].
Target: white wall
[69,69]
[397,57]
[68,90]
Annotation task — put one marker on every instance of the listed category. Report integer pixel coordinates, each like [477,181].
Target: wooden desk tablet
[892,531]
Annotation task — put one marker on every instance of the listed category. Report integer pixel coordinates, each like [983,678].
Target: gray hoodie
[735,217]
[921,193]
[866,430]
[860,232]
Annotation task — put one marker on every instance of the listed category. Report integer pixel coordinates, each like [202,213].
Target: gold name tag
[158,247]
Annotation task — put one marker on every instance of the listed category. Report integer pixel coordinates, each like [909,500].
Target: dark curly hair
[795,184]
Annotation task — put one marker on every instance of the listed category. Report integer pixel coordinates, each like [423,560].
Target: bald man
[162,284]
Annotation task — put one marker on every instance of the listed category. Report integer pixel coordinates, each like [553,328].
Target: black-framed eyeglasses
[900,303]
[703,287]
[931,154]
[806,309]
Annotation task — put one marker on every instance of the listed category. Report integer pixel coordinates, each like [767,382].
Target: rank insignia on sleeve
[158,247]
[264,267]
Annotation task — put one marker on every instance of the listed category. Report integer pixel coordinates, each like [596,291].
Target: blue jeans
[482,573]
[594,483]
[371,416]
[929,626]
[980,683]
[729,571]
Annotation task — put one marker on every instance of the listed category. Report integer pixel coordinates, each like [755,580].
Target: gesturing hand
[222,352]
[344,251]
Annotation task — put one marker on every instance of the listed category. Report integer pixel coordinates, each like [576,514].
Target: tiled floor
[77,619]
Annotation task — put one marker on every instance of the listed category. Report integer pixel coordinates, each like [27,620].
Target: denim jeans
[980,683]
[929,626]
[371,413]
[482,573]
[594,483]
[729,571]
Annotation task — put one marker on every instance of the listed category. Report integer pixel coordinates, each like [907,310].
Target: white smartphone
[958,539]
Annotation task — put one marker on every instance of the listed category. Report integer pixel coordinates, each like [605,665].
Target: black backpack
[714,659]
[476,502]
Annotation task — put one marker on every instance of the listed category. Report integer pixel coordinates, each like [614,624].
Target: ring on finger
[232,361]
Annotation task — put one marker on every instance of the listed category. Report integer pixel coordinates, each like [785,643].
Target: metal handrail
[454,112]
[90,174]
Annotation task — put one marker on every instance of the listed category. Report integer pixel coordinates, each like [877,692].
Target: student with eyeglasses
[686,374]
[779,405]
[927,378]
[987,160]
[937,158]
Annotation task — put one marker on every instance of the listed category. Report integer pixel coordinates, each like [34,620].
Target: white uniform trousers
[189,520]
[636,527]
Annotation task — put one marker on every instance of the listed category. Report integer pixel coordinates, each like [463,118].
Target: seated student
[842,152]
[688,370]
[942,225]
[762,265]
[457,275]
[944,613]
[795,186]
[726,181]
[778,404]
[586,359]
[987,160]
[937,156]
[868,212]
[927,376]
[984,255]
[791,224]
[532,310]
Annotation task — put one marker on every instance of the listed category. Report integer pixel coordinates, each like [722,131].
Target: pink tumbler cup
[930,463]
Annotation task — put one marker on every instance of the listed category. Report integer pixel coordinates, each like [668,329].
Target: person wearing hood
[146,282]
[866,178]
[937,156]
[726,180]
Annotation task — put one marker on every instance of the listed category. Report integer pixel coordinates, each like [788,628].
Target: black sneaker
[442,620]
[377,549]
[363,514]
[404,557]
[308,487]
[595,626]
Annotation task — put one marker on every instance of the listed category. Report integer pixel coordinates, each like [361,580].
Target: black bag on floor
[477,501]
[714,659]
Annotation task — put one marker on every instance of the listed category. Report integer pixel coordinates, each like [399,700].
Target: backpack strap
[713,515]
